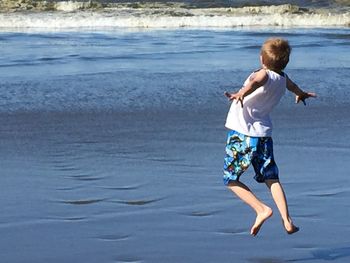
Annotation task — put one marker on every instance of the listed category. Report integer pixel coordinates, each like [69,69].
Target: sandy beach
[73,182]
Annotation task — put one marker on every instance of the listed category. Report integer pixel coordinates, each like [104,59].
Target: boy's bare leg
[280,199]
[263,212]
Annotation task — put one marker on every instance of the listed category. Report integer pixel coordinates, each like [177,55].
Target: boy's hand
[304,96]
[256,80]
[234,96]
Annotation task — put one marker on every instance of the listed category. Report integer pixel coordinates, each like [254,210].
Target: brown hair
[275,53]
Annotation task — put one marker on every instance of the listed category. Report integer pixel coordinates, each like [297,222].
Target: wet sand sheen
[168,203]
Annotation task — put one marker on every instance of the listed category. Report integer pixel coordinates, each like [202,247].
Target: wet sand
[147,187]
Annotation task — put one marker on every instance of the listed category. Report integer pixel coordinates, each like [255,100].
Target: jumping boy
[249,139]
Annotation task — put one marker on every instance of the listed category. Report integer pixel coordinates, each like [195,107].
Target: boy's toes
[290,227]
[293,230]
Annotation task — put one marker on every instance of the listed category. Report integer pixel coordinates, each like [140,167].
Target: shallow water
[115,154]
[127,71]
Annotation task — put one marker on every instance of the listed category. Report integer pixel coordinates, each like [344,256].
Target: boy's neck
[279,72]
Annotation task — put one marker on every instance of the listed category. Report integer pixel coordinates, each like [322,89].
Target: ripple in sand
[128,259]
[66,168]
[70,219]
[233,231]
[138,202]
[200,213]
[82,201]
[74,218]
[305,247]
[83,177]
[326,193]
[164,160]
[113,237]
[122,188]
[266,260]
[68,188]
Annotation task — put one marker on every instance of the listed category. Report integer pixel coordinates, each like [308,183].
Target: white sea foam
[173,17]
[70,6]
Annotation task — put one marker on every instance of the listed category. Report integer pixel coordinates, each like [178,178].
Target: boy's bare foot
[290,227]
[260,219]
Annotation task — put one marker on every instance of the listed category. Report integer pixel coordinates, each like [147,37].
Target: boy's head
[275,53]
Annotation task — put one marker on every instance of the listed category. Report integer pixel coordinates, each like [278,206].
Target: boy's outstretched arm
[300,95]
[257,80]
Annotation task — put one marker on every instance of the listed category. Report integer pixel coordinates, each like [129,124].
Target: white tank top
[254,118]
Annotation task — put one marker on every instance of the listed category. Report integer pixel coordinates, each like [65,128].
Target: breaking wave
[92,15]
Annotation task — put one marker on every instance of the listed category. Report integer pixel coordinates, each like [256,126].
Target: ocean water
[58,71]
[112,141]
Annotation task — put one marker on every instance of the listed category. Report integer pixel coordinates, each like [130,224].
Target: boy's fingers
[240,100]
[298,99]
[228,95]
[312,94]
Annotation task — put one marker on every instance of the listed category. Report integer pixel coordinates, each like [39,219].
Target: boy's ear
[262,61]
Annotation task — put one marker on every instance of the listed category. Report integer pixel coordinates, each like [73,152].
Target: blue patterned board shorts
[243,150]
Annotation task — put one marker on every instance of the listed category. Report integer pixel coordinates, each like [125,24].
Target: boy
[249,139]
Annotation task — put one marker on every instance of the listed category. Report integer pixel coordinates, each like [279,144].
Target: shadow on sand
[327,254]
